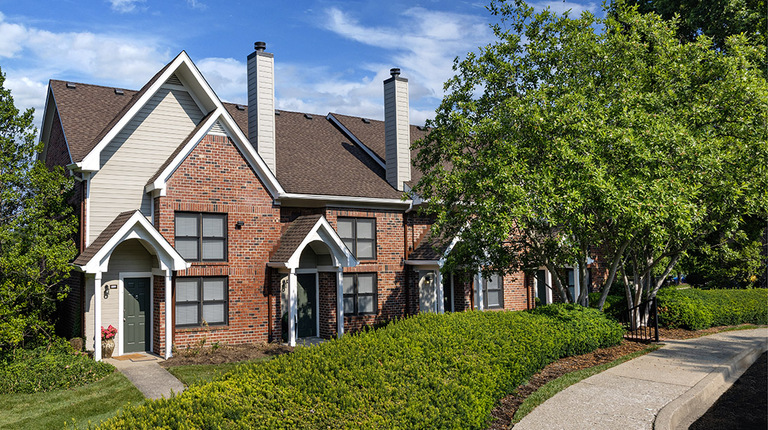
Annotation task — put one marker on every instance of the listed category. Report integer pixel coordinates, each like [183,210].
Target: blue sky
[330,56]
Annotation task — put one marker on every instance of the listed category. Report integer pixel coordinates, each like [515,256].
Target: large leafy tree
[36,228]
[566,137]
[717,19]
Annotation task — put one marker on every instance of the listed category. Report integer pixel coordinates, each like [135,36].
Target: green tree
[717,19]
[567,136]
[36,229]
[728,259]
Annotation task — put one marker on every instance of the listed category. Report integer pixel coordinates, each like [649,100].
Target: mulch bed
[226,354]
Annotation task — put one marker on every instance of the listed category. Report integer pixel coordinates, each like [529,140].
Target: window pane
[364,249]
[349,305]
[186,290]
[213,225]
[213,249]
[349,284]
[186,225]
[350,244]
[365,304]
[365,228]
[213,313]
[570,277]
[365,284]
[345,229]
[187,248]
[494,298]
[213,289]
[186,313]
[493,282]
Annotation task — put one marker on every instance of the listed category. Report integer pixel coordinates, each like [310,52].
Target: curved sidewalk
[666,389]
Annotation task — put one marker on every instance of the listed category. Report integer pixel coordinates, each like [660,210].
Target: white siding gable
[135,154]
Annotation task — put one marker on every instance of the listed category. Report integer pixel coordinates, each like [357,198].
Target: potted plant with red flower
[108,341]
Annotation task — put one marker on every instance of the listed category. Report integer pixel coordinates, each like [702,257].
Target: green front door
[306,304]
[136,314]
[541,287]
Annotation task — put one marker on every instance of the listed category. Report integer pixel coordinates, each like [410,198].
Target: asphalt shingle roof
[293,236]
[103,238]
[313,155]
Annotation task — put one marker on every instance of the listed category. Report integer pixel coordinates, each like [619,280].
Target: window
[493,292]
[201,236]
[201,300]
[359,234]
[360,295]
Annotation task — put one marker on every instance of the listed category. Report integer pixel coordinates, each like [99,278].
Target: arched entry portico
[308,247]
[129,257]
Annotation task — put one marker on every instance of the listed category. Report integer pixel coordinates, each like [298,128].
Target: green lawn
[204,373]
[55,409]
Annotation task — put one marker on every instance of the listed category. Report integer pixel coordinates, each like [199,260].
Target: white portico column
[479,287]
[168,314]
[292,293]
[439,292]
[97,316]
[576,284]
[340,302]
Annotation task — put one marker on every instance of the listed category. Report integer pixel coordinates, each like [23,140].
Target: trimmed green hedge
[696,309]
[428,371]
[47,368]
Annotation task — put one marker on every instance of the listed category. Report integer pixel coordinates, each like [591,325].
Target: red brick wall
[158,315]
[70,310]
[57,154]
[216,178]
[327,305]
[516,294]
[388,265]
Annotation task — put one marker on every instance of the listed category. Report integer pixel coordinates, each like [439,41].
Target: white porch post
[440,293]
[479,286]
[292,293]
[340,302]
[576,284]
[97,316]
[168,314]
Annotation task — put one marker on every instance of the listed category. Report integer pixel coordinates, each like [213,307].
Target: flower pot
[107,348]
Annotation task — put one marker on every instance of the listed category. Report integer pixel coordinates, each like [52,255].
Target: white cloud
[423,44]
[125,6]
[560,7]
[38,55]
[196,4]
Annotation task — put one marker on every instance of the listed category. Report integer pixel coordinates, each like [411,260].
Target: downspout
[406,284]
[268,280]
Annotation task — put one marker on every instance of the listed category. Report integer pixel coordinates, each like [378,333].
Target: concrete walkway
[144,371]
[666,389]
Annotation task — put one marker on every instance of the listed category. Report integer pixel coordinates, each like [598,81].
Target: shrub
[696,309]
[428,371]
[46,368]
[614,304]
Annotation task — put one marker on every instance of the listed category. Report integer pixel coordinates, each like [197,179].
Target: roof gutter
[345,199]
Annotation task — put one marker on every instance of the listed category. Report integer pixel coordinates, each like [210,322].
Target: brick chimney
[261,103]
[397,130]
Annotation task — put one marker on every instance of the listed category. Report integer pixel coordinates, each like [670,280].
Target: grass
[555,386]
[93,403]
[204,373]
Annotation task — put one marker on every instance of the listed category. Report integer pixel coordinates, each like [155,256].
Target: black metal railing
[641,323]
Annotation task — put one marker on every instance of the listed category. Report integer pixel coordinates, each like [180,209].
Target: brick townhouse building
[240,224]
